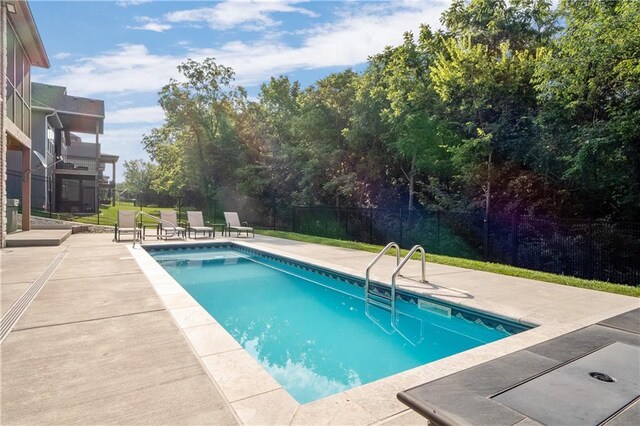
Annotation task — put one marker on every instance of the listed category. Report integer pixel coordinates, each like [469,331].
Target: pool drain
[602,377]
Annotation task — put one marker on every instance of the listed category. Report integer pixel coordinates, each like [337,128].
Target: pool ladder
[136,232]
[381,300]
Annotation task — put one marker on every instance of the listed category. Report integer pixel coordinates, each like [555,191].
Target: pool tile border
[360,405]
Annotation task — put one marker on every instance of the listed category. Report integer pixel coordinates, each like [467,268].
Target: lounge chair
[171,217]
[233,224]
[196,224]
[126,224]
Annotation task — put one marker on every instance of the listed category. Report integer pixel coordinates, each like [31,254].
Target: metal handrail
[157,219]
[397,271]
[375,260]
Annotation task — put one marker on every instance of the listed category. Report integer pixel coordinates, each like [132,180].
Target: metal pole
[370,225]
[438,230]
[401,226]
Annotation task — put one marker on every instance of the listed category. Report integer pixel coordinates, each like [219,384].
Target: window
[11,51]
[20,57]
[51,138]
[70,190]
[18,83]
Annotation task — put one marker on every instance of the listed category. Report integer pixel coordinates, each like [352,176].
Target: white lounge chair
[171,217]
[196,224]
[126,224]
[233,224]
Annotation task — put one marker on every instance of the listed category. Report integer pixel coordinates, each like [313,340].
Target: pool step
[379,301]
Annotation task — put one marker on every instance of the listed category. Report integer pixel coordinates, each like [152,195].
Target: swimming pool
[310,327]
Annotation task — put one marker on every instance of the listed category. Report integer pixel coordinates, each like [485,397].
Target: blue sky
[124,51]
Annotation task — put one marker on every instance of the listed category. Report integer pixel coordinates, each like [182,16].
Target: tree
[589,88]
[483,76]
[420,136]
[138,176]
[326,163]
[199,131]
[265,131]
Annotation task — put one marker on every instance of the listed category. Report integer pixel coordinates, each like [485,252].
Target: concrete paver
[96,345]
[81,299]
[38,237]
[9,293]
[134,369]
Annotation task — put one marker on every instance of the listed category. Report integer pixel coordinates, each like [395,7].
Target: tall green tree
[589,88]
[322,150]
[265,131]
[201,113]
[483,77]
[138,177]
[421,137]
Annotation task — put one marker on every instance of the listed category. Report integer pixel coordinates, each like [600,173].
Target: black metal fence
[602,250]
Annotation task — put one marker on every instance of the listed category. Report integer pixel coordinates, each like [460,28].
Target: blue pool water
[308,327]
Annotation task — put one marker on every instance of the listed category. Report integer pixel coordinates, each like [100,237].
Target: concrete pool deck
[99,345]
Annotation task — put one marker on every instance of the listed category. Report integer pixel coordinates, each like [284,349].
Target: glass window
[11,63]
[70,190]
[26,117]
[10,102]
[19,71]
[18,113]
[27,83]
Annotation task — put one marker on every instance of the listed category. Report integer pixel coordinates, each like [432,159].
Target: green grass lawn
[469,264]
[108,214]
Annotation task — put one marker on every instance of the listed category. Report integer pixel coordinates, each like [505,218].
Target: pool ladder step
[374,298]
[380,301]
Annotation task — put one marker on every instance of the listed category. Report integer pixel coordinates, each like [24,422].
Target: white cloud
[148,114]
[61,55]
[360,31]
[129,69]
[126,3]
[152,26]
[252,15]
[358,34]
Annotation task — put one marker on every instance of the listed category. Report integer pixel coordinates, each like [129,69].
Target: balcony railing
[83,164]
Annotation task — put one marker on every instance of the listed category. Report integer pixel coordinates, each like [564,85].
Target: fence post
[273,217]
[485,239]
[293,219]
[590,251]
[98,215]
[179,209]
[514,239]
[438,230]
[346,225]
[401,228]
[370,225]
[326,225]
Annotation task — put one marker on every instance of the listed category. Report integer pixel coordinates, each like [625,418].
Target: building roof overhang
[27,31]
[108,158]
[81,123]
[77,114]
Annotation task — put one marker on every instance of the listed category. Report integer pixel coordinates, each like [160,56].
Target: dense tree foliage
[138,176]
[511,107]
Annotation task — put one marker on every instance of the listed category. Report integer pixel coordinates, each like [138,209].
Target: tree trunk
[412,181]
[487,205]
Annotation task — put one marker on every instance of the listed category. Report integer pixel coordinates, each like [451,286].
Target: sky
[124,51]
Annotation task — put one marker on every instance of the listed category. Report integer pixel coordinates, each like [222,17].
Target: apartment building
[22,49]
[71,175]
